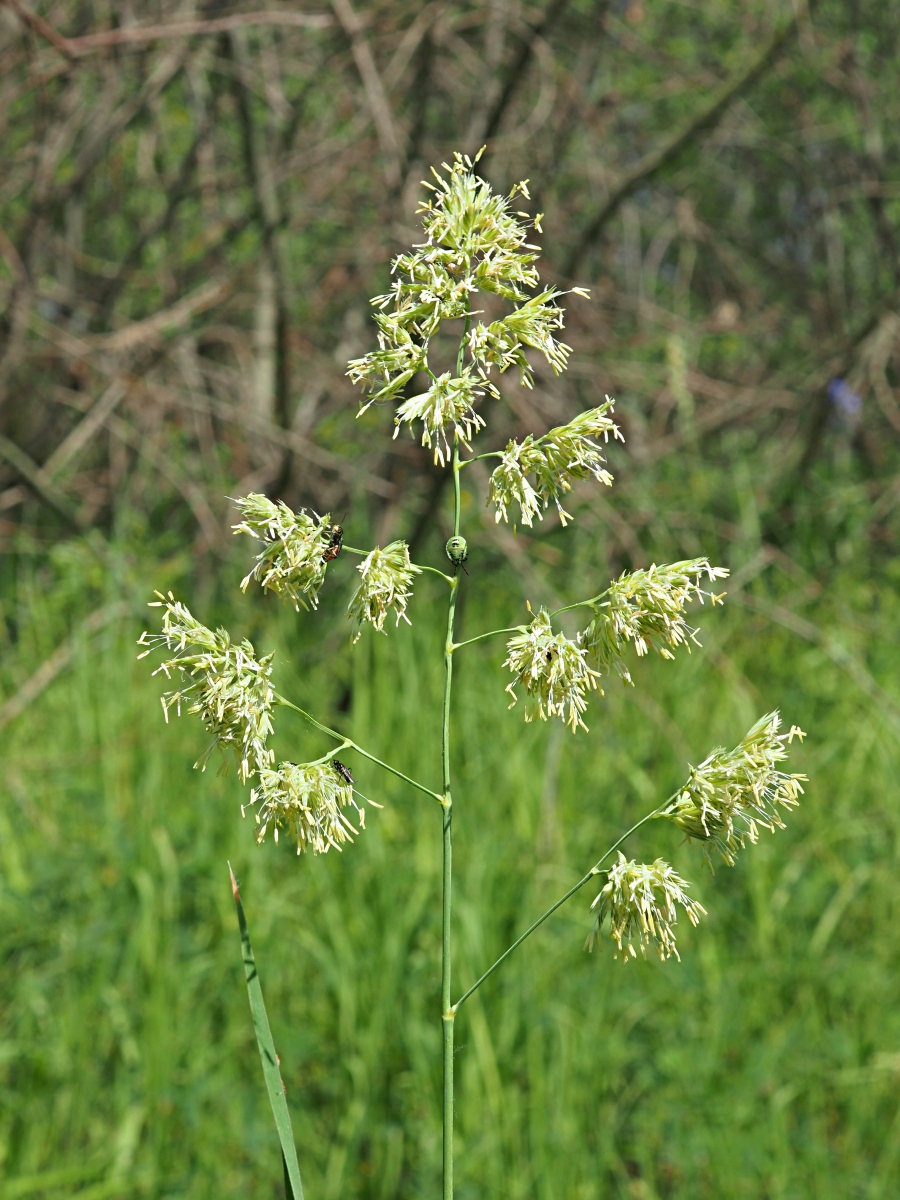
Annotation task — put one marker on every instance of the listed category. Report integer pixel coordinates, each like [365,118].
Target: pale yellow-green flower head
[503,343]
[733,793]
[307,802]
[554,460]
[640,901]
[476,243]
[292,562]
[446,408]
[552,670]
[646,608]
[227,686]
[386,585]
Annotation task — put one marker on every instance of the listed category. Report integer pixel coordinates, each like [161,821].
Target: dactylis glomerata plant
[475,244]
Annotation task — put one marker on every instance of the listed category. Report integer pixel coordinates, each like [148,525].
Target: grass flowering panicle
[475,243]
[291,563]
[647,608]
[308,802]
[640,900]
[387,577]
[552,669]
[227,686]
[733,792]
[565,453]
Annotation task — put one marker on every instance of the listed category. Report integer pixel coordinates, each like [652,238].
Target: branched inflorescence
[646,608]
[503,343]
[552,669]
[640,901]
[478,245]
[733,792]
[566,453]
[292,563]
[227,686]
[386,584]
[477,259]
[475,243]
[308,802]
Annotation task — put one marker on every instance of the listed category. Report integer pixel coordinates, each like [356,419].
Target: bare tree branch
[36,479]
[492,118]
[654,162]
[40,27]
[190,491]
[85,430]
[149,331]
[375,90]
[77,47]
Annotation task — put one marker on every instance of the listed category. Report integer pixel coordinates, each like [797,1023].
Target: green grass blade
[271,1072]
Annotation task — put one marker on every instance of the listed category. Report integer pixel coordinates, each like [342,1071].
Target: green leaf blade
[271,1070]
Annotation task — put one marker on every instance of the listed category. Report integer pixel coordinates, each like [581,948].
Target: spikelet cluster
[308,803]
[386,584]
[640,901]
[646,608]
[733,793]
[475,242]
[566,453]
[291,562]
[227,686]
[447,407]
[552,670]
[503,343]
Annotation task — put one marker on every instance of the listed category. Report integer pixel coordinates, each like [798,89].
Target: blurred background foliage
[191,223]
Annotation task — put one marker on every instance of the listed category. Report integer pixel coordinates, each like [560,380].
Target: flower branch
[739,785]
[359,750]
[554,461]
[592,873]
[481,636]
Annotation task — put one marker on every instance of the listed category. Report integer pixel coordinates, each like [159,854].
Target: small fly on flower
[343,771]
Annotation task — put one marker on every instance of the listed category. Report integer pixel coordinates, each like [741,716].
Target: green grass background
[765,1064]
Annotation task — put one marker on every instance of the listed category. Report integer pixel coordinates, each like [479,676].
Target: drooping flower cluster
[387,577]
[640,900]
[447,406]
[552,669]
[308,802]
[291,563]
[475,242]
[503,343]
[560,456]
[227,686]
[733,792]
[647,608]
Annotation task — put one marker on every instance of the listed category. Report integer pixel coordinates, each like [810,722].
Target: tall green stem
[447,1011]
